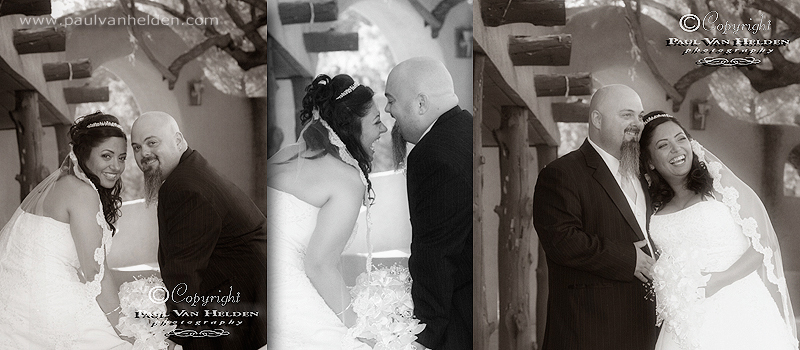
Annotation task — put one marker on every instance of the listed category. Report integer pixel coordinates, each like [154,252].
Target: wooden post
[515,232]
[67,70]
[35,40]
[544,155]
[537,12]
[556,84]
[86,94]
[330,41]
[307,12]
[274,136]
[549,50]
[29,140]
[299,91]
[62,140]
[259,110]
[481,327]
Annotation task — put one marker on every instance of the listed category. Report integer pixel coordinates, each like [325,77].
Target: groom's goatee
[152,183]
[629,160]
[398,147]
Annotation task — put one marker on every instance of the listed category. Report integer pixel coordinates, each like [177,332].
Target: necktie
[627,187]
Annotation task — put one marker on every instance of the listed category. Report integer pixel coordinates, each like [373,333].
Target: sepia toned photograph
[369,174]
[636,174]
[133,180]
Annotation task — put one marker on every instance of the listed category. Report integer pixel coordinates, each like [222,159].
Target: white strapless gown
[297,317]
[742,315]
[43,304]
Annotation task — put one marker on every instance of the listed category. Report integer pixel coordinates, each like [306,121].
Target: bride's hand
[713,285]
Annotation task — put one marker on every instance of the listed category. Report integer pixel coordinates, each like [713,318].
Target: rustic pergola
[32,69]
[508,116]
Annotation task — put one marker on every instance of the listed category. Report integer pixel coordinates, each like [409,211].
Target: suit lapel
[604,177]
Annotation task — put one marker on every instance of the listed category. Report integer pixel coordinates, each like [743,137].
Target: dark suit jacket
[587,230]
[213,238]
[440,204]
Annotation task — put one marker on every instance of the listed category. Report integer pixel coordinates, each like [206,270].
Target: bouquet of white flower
[384,309]
[143,314]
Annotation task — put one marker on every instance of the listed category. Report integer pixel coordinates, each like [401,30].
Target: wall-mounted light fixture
[700,110]
[464,42]
[196,92]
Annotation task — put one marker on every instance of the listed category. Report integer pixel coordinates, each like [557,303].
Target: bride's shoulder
[74,189]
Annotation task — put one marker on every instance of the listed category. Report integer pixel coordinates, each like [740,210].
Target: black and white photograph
[133,144]
[636,174]
[369,175]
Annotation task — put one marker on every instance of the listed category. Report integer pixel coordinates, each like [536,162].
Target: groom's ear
[179,140]
[423,103]
[596,119]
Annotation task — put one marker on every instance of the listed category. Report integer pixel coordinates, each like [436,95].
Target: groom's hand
[644,263]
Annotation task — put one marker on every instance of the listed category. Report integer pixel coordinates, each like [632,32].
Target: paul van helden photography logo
[205,317]
[737,46]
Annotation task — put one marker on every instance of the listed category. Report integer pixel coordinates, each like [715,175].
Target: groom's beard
[398,147]
[629,160]
[152,183]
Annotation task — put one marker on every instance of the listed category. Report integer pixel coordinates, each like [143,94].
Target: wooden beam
[481,326]
[516,236]
[434,22]
[79,69]
[25,7]
[330,41]
[62,140]
[259,112]
[537,12]
[36,40]
[86,94]
[307,12]
[29,141]
[570,112]
[556,84]
[549,50]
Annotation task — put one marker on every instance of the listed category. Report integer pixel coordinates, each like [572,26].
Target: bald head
[615,117]
[157,142]
[419,90]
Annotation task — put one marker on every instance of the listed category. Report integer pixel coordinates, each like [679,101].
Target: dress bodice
[290,224]
[704,232]
[47,245]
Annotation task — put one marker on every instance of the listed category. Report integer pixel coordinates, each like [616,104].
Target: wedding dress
[43,304]
[298,317]
[743,315]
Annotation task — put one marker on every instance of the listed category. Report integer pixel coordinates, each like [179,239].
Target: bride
[316,189]
[719,257]
[55,292]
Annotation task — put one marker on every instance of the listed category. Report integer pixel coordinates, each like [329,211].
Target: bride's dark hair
[342,107]
[84,139]
[699,179]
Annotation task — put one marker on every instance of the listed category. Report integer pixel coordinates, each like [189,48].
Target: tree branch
[252,35]
[176,66]
[165,73]
[261,5]
[633,22]
[663,8]
[780,12]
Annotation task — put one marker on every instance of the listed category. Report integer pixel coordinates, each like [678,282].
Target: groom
[212,241]
[590,210]
[422,100]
